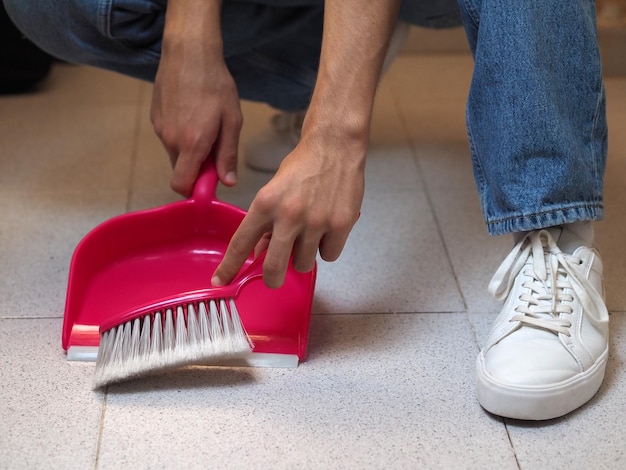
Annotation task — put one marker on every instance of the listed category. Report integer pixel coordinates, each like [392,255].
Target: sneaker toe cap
[534,363]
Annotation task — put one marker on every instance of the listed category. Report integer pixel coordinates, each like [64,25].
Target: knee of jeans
[58,31]
[21,13]
[99,33]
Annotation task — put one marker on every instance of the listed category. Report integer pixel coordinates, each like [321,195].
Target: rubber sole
[538,402]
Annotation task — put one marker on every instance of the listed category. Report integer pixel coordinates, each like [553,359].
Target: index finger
[241,246]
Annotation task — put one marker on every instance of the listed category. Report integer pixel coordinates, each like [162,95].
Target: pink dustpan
[150,260]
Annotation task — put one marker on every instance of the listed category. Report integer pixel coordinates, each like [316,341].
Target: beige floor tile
[75,135]
[49,417]
[394,261]
[589,437]
[38,234]
[377,392]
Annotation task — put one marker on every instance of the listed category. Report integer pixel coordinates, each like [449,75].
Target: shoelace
[551,273]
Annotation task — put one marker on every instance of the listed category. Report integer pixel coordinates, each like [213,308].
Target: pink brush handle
[206,184]
[204,193]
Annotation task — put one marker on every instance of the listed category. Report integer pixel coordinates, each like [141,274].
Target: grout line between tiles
[429,312]
[445,246]
[508,435]
[101,429]
[427,194]
[473,330]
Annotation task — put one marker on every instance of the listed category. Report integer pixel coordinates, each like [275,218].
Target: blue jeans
[535,113]
[536,116]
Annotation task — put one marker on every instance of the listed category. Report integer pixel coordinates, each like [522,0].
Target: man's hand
[312,203]
[195,105]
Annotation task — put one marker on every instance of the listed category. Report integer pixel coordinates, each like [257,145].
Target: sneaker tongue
[567,240]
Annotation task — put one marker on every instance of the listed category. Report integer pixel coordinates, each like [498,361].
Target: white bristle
[157,335]
[205,332]
[227,324]
[169,334]
[145,339]
[182,340]
[238,331]
[193,329]
[118,345]
[215,323]
[135,339]
[106,351]
[179,336]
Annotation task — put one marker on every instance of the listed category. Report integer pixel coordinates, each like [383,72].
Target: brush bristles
[178,336]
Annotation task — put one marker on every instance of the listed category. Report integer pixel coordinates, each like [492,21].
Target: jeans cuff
[524,223]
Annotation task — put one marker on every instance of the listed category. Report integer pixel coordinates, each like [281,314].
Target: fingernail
[231,177]
[216,281]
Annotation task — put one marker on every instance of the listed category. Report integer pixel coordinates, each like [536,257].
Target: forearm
[197,25]
[195,105]
[197,19]
[356,36]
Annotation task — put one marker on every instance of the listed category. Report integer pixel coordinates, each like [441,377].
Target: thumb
[226,152]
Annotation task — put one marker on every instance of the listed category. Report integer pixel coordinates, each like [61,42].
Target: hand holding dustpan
[149,262]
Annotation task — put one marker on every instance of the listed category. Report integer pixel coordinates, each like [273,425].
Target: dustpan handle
[206,184]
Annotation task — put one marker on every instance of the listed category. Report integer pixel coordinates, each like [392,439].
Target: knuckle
[291,211]
[303,266]
[189,139]
[271,266]
[264,201]
[179,186]
[342,223]
[317,222]
[167,136]
[272,275]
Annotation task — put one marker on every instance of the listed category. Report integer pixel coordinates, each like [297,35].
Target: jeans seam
[470,11]
[478,169]
[105,14]
[594,130]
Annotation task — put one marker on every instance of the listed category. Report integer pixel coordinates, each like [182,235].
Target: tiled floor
[398,319]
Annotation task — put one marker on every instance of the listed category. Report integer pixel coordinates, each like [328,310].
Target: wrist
[338,125]
[193,23]
[341,139]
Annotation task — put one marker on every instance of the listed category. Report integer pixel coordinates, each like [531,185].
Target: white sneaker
[266,151]
[548,348]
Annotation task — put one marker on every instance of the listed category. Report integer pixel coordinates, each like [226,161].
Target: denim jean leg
[277,61]
[119,35]
[272,49]
[536,112]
